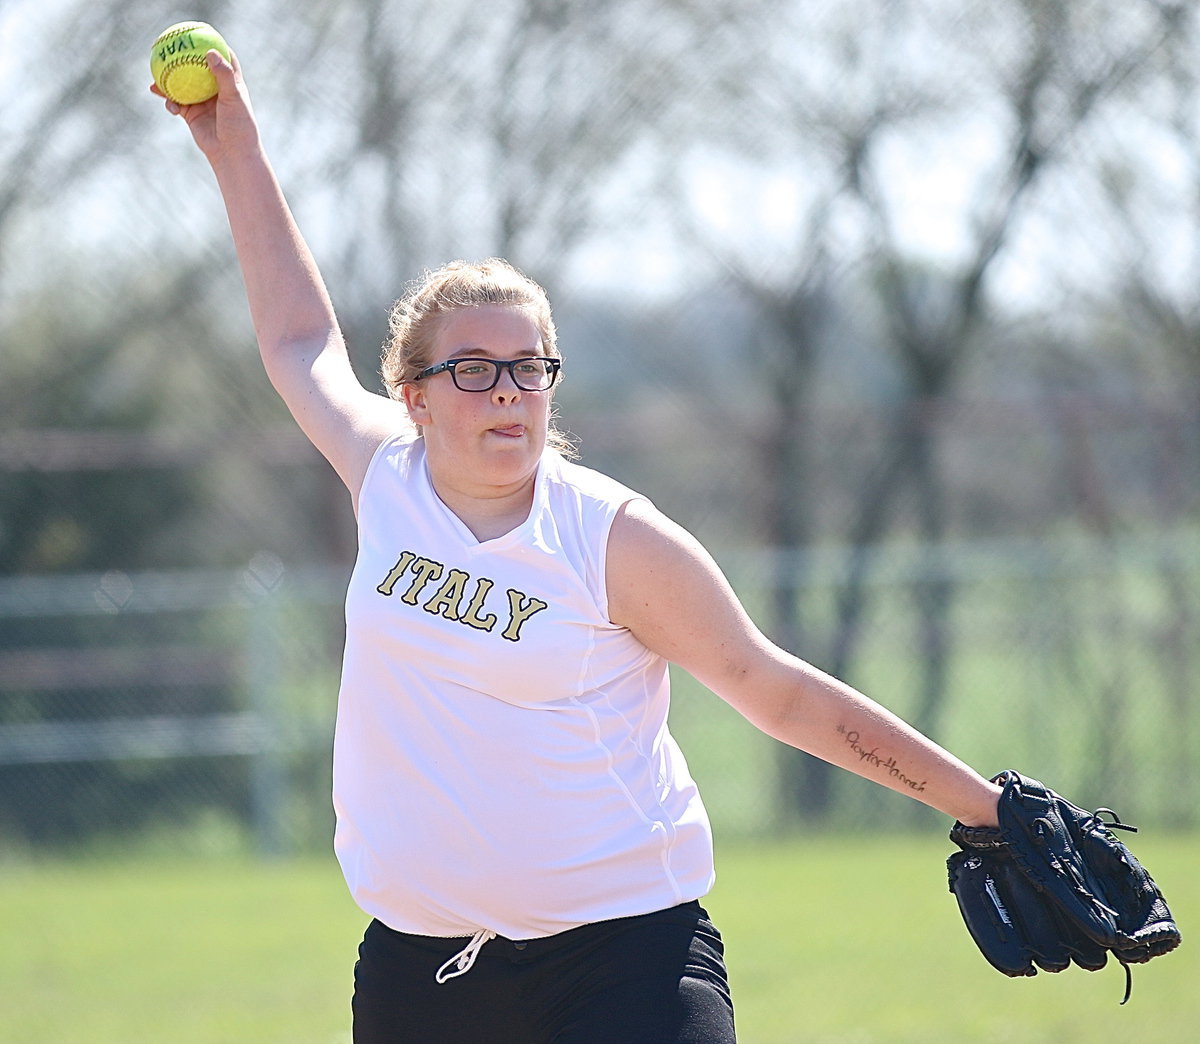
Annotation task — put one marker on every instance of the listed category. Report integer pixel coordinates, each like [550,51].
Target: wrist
[243,153]
[983,812]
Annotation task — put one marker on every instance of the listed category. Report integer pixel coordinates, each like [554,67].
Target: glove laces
[1128,981]
[463,961]
[1111,824]
[1115,824]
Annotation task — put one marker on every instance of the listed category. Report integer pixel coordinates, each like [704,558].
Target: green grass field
[828,939]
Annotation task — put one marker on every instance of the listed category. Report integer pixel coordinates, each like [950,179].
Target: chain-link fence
[195,709]
[168,704]
[894,305]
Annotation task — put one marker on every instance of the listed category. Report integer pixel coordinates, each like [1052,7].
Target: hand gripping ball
[177,62]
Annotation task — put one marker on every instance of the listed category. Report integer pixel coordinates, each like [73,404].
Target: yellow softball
[177,61]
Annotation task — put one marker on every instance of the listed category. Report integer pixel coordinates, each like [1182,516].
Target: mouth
[509,431]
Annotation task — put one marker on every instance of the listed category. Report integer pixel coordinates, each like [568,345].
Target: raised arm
[669,592]
[298,334]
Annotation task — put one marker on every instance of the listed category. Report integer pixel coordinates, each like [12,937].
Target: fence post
[264,677]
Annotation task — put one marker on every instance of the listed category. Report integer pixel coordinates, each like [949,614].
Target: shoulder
[344,421]
[655,562]
[669,591]
[644,543]
[398,450]
[397,456]
[583,500]
[586,483]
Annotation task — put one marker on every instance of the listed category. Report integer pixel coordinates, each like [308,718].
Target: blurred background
[896,304]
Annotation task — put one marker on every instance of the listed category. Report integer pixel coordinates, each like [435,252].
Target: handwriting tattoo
[872,757]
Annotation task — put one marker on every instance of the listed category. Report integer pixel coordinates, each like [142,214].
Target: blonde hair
[414,320]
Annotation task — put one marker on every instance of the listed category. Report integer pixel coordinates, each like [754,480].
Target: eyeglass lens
[535,374]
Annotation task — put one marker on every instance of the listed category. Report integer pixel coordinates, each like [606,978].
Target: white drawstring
[464,960]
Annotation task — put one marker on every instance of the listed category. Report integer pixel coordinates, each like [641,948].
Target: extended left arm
[669,592]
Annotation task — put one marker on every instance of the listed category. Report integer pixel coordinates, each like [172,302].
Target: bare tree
[1026,77]
[406,134]
[1153,298]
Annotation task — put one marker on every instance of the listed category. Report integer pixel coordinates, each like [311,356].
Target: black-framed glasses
[533,373]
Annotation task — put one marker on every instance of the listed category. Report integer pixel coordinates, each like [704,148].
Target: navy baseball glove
[1053,886]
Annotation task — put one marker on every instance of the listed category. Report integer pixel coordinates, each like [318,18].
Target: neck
[488,512]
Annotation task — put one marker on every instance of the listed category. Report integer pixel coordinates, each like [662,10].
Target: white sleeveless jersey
[502,760]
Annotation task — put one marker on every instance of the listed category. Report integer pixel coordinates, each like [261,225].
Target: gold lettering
[402,564]
[519,612]
[449,595]
[473,617]
[424,570]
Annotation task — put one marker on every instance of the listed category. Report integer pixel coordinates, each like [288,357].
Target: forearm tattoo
[870,757]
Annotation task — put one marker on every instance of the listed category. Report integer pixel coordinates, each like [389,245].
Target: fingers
[230,91]
[226,72]
[217,63]
[172,107]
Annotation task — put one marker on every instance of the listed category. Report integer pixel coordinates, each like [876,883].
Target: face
[495,437]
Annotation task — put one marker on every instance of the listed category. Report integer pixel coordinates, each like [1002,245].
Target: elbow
[303,357]
[764,698]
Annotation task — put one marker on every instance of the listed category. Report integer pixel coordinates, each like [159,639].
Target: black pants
[655,979]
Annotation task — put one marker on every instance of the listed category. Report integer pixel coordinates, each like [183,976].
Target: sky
[933,176]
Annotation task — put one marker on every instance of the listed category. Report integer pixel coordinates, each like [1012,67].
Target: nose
[506,392]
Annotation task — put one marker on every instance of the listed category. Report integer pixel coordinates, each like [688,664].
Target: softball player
[512,810]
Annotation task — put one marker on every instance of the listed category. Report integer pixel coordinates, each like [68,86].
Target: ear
[414,402]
